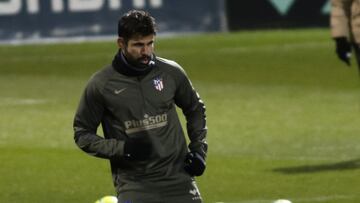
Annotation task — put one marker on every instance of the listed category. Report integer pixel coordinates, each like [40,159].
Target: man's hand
[343,49]
[195,164]
[138,148]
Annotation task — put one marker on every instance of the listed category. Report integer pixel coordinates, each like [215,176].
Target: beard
[138,62]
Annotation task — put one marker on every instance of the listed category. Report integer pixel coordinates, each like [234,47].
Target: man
[134,100]
[345,28]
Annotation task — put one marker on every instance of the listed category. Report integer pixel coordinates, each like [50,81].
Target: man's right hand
[137,148]
[343,49]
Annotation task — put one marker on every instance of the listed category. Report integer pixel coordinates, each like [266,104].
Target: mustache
[145,57]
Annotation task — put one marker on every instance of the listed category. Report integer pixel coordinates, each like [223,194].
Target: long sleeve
[194,110]
[340,18]
[87,119]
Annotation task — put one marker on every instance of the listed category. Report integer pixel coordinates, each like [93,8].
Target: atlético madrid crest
[158,83]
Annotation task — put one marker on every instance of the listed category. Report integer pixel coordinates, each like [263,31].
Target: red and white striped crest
[158,84]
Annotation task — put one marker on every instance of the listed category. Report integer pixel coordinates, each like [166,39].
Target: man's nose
[146,50]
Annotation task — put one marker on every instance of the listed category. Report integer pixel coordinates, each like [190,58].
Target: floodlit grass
[283,118]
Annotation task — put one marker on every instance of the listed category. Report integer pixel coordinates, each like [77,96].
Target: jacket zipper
[141,94]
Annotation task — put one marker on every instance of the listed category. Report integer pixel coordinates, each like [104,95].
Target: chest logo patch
[158,83]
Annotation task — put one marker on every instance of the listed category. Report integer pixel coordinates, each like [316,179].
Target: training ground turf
[283,118]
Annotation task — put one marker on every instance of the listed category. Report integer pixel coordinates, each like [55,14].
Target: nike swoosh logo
[119,91]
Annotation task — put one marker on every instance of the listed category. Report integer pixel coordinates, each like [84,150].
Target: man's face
[138,49]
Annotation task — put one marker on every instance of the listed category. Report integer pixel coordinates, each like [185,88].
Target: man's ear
[121,42]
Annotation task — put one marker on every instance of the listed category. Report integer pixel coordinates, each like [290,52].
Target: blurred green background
[283,118]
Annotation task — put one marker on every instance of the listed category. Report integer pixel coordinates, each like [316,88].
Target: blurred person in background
[134,100]
[345,28]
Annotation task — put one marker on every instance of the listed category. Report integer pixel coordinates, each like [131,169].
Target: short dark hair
[136,23]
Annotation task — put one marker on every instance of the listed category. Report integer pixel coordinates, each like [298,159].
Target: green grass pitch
[283,118]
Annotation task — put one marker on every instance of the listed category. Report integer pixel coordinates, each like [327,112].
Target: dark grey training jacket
[131,106]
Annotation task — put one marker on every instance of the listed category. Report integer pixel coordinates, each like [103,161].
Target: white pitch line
[21,101]
[272,47]
[303,200]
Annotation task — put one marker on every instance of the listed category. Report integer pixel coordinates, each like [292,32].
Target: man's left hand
[195,164]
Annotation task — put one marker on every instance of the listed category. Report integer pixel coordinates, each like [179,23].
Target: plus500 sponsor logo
[13,7]
[148,123]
